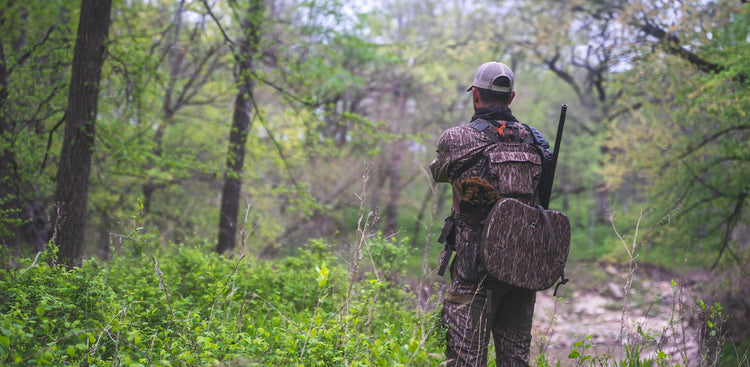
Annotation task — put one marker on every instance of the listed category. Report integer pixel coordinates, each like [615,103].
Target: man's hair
[495,98]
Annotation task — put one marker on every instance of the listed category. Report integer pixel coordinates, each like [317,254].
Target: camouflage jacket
[457,147]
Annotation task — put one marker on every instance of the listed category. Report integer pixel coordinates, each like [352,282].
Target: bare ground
[606,312]
[604,315]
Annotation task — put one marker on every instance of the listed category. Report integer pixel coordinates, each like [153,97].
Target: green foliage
[735,354]
[389,255]
[189,306]
[186,305]
[337,91]
[36,48]
[8,218]
[51,315]
[579,349]
[685,149]
[581,355]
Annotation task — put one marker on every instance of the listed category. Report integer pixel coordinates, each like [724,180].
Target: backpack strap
[482,125]
[472,161]
[498,135]
[540,140]
[479,124]
[544,150]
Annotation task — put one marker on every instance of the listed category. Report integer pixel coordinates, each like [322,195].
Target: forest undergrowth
[154,305]
[185,305]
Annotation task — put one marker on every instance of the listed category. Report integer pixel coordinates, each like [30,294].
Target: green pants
[494,307]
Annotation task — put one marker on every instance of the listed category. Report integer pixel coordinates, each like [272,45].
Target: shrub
[187,306]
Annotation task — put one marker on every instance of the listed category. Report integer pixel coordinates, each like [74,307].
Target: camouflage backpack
[522,243]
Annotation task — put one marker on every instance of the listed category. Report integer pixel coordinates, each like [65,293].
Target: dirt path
[655,317]
[658,313]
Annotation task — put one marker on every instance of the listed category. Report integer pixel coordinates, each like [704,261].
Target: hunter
[476,305]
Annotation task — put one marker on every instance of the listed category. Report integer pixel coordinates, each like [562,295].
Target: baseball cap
[488,73]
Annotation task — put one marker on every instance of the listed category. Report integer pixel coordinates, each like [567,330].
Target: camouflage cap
[489,72]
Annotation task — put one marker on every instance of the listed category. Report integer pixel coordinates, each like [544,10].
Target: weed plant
[188,306]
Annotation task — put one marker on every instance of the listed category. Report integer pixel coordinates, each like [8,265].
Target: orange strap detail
[501,130]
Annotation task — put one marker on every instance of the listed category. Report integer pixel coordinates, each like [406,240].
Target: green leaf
[322,275]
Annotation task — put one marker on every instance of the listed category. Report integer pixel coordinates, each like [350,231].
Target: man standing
[476,304]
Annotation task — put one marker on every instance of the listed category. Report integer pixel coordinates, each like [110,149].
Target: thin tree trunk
[230,196]
[394,189]
[9,204]
[78,145]
[175,58]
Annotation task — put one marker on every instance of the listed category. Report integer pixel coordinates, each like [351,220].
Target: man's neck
[497,112]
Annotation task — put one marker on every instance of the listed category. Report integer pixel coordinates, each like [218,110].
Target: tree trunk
[78,145]
[168,110]
[9,205]
[230,195]
[394,189]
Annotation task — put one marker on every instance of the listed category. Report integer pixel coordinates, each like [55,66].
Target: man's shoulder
[477,127]
[461,130]
[480,125]
[460,135]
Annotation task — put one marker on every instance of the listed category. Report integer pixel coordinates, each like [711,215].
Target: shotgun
[549,166]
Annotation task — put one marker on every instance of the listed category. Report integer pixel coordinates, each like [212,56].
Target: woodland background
[223,130]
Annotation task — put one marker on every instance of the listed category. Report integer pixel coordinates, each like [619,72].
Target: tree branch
[691,149]
[551,63]
[218,24]
[714,191]
[731,223]
[30,52]
[672,46]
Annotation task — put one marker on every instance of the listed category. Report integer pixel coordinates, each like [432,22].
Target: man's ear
[512,95]
[475,95]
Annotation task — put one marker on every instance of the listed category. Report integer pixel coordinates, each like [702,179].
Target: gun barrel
[558,138]
[548,174]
